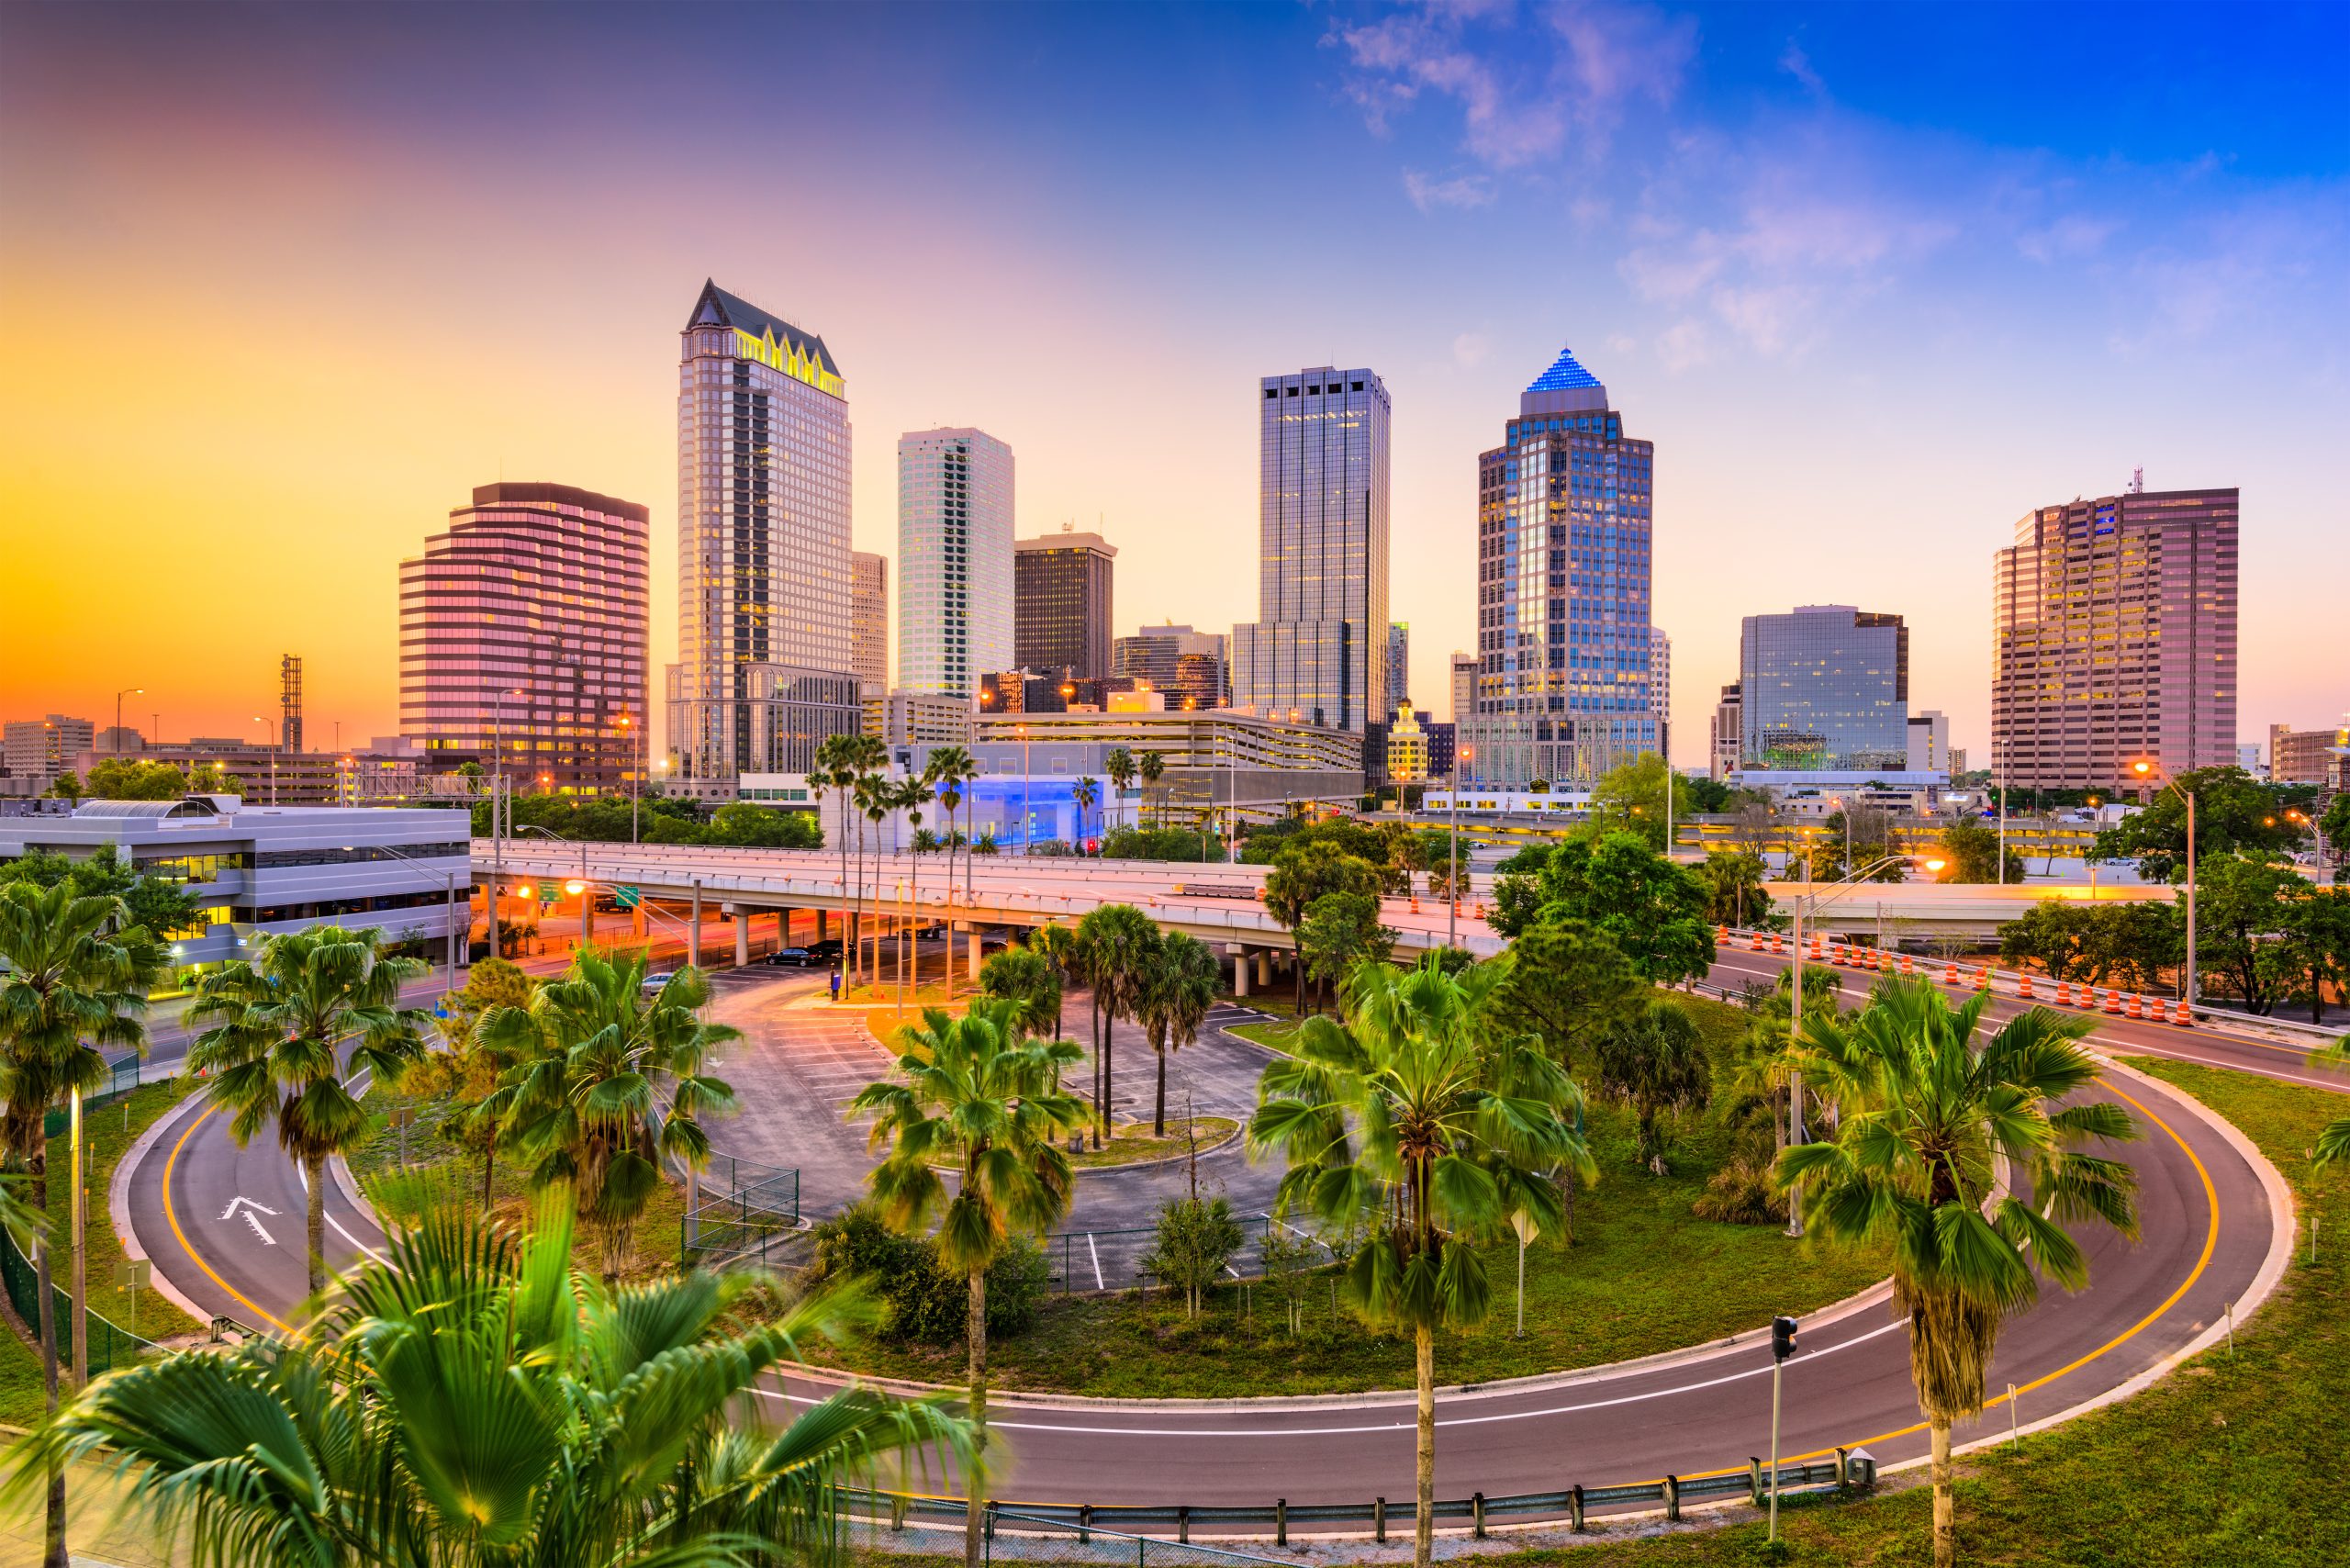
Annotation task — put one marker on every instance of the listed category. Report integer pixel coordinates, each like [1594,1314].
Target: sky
[278,286]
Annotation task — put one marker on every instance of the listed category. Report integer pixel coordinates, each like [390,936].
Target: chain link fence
[111,1346]
[742,1212]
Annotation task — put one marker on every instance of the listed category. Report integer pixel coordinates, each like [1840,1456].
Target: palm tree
[876,796]
[74,977]
[1420,1126]
[1120,943]
[1151,766]
[1058,945]
[1925,1115]
[953,767]
[834,770]
[981,1091]
[580,1103]
[1086,791]
[2334,1138]
[474,1403]
[1176,992]
[276,1029]
[1029,978]
[911,798]
[1655,1062]
[1120,766]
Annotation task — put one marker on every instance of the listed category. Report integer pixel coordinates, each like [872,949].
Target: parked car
[653,982]
[829,949]
[792,958]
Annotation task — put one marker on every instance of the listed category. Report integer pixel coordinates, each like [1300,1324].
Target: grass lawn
[434,1162]
[2228,1461]
[1131,1143]
[1644,1275]
[21,1399]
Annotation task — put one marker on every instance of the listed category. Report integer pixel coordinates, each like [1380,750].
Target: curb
[118,1204]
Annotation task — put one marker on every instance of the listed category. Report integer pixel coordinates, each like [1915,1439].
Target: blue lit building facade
[1563,572]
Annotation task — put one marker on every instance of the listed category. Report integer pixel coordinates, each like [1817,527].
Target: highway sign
[626,898]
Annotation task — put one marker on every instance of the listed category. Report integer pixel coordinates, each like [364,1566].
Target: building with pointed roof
[764,672]
[1564,674]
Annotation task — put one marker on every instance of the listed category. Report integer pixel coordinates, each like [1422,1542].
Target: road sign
[626,898]
[132,1273]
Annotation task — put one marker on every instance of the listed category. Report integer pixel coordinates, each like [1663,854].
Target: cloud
[1683,344]
[1797,65]
[1522,86]
[2067,238]
[1470,348]
[1462,191]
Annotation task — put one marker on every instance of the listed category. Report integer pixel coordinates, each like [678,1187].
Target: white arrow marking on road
[250,1219]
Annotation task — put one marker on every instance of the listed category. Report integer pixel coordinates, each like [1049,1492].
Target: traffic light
[1782,1337]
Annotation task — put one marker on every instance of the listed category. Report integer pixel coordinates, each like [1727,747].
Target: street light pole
[125,691]
[2148,769]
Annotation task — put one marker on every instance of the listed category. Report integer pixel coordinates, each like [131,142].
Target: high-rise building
[954,559]
[1928,742]
[1464,686]
[1728,735]
[763,676]
[1060,602]
[2114,641]
[1408,748]
[43,748]
[1957,761]
[1319,647]
[2304,757]
[1824,688]
[868,622]
[289,702]
[1188,665]
[1563,528]
[1399,663]
[1661,690]
[524,629]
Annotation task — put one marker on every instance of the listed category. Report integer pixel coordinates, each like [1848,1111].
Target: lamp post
[1453,855]
[449,880]
[498,804]
[2149,769]
[584,886]
[1795,1011]
[272,762]
[125,691]
[2317,827]
[1023,788]
[635,771]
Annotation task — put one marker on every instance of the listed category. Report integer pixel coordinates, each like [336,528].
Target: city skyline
[1766,225]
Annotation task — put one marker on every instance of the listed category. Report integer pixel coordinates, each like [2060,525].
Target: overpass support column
[1264,966]
[820,925]
[742,936]
[1240,971]
[971,959]
[693,942]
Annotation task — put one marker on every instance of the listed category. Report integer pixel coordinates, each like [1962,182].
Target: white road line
[1278,1431]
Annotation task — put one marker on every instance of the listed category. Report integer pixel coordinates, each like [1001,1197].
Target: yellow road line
[172,1214]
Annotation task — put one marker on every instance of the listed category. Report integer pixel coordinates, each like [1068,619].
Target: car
[792,958]
[830,947]
[653,982]
[992,943]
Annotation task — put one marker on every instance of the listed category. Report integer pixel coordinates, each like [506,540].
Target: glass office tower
[1319,647]
[1061,602]
[1564,647]
[764,673]
[1825,687]
[954,559]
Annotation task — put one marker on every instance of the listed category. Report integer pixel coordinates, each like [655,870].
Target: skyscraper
[1319,647]
[1188,665]
[1929,742]
[763,548]
[1824,688]
[868,622]
[954,559]
[1563,525]
[1464,686]
[1729,733]
[1399,663]
[1661,690]
[1061,602]
[2114,640]
[524,627]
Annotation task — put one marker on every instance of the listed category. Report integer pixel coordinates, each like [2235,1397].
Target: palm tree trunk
[976,1335]
[53,1554]
[1424,1521]
[488,1167]
[1158,1117]
[1095,996]
[1945,1505]
[316,1227]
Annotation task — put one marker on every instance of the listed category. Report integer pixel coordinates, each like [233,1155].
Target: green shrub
[927,1304]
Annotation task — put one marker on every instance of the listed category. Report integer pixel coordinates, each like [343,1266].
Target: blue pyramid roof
[1566,373]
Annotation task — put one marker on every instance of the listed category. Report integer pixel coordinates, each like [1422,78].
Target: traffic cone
[1416,904]
[1950,976]
[1778,942]
[1908,966]
[2025,980]
[2063,994]
[2137,1008]
[2113,1003]
[1983,978]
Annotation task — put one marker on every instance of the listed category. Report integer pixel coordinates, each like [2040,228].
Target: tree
[2315,947]
[1734,879]
[976,1091]
[161,908]
[1971,848]
[121,778]
[1304,872]
[2335,825]
[1444,861]
[2235,814]
[748,825]
[1652,909]
[1172,1001]
[833,769]
[1630,798]
[1195,1238]
[1029,978]
[1417,1124]
[1118,943]
[1120,766]
[2334,1138]
[1150,766]
[1565,983]
[474,1403]
[579,1102]
[65,787]
[1655,1062]
[1867,832]
[2240,905]
[1926,1114]
[276,1028]
[1087,793]
[1058,945]
[1339,931]
[952,768]
[74,973]
[2055,933]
